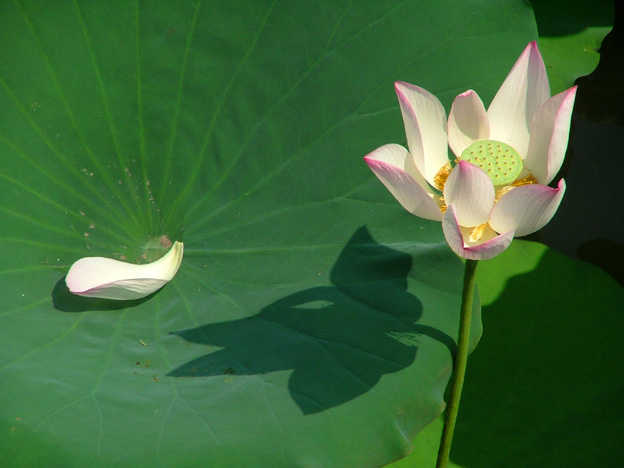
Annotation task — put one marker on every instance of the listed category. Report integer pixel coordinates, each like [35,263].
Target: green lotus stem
[459,366]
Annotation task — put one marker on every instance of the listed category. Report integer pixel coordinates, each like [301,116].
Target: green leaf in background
[571,33]
[545,385]
[425,448]
[312,320]
[547,376]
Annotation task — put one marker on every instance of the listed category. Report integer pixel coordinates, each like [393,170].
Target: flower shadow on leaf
[339,340]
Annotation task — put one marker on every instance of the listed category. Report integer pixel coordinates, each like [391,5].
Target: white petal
[472,193]
[111,279]
[527,208]
[398,156]
[425,127]
[524,90]
[468,122]
[550,129]
[455,238]
[388,164]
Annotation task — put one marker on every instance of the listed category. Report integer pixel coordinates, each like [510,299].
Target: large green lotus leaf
[547,375]
[312,321]
[425,448]
[545,385]
[571,33]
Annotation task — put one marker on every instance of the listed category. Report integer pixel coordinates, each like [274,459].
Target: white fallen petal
[111,279]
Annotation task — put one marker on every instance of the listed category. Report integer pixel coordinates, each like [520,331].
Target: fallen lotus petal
[111,279]
[495,184]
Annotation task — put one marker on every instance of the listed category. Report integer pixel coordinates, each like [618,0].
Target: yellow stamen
[440,202]
[440,178]
[526,180]
[477,232]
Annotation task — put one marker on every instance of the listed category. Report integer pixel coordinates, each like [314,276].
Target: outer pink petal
[527,208]
[524,90]
[471,192]
[468,122]
[454,237]
[425,127]
[398,156]
[550,129]
[386,163]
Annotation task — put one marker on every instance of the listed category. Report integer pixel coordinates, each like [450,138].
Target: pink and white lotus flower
[495,186]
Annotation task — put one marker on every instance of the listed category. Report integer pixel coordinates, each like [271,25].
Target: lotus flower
[495,186]
[111,279]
